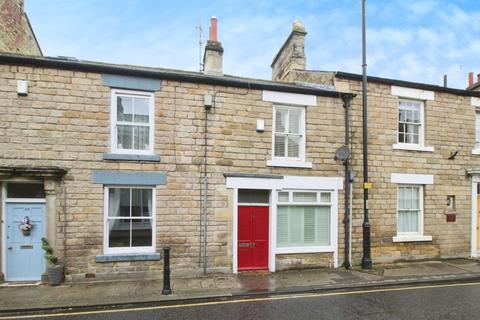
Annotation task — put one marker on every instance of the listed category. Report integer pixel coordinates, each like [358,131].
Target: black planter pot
[55,274]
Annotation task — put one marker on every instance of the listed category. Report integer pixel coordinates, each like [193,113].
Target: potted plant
[26,226]
[54,266]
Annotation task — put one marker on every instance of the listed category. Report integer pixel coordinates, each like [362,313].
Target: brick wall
[16,34]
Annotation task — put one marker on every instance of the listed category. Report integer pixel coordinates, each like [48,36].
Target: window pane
[253,196]
[303,226]
[408,221]
[124,108]
[477,126]
[325,197]
[402,115]
[141,202]
[280,118]
[408,198]
[293,146]
[305,197]
[119,202]
[409,116]
[119,233]
[416,139]
[141,233]
[282,226]
[309,225]
[296,226]
[416,198]
[141,107]
[401,198]
[323,226]
[141,137]
[294,121]
[283,197]
[416,116]
[25,190]
[279,149]
[124,137]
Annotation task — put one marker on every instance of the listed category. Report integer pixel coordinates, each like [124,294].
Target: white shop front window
[304,219]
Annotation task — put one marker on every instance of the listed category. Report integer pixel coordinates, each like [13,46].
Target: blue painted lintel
[129,82]
[113,177]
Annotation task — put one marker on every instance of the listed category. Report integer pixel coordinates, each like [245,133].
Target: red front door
[252,237]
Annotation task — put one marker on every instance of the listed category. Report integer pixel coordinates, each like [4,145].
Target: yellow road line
[211,303]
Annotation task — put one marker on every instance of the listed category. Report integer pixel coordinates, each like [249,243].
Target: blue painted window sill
[127,257]
[131,157]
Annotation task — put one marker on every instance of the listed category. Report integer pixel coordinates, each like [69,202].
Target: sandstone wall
[64,121]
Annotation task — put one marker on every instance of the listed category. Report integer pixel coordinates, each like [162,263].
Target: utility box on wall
[450,212]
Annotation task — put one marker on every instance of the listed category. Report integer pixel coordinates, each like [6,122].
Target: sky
[413,40]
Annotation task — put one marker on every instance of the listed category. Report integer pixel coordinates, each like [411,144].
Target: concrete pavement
[94,294]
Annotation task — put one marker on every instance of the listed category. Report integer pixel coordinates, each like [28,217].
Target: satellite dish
[342,154]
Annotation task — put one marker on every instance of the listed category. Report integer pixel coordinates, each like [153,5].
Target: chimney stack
[470,79]
[213,57]
[478,77]
[16,32]
[291,56]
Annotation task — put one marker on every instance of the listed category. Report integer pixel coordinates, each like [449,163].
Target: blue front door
[25,260]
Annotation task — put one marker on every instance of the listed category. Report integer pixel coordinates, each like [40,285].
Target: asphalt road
[452,301]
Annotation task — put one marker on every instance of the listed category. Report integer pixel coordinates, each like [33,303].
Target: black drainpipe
[346,104]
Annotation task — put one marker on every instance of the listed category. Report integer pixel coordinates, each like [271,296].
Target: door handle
[10,248]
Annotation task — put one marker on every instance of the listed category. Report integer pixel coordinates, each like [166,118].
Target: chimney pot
[213,29]
[470,78]
[213,56]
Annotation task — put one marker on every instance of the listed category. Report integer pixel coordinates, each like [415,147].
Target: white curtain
[408,208]
[113,205]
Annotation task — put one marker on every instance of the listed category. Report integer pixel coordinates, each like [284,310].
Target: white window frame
[420,210]
[308,249]
[299,161]
[412,236]
[476,147]
[421,136]
[420,146]
[128,250]
[113,121]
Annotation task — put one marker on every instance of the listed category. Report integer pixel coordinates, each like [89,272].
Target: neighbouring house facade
[112,163]
[16,33]
[423,160]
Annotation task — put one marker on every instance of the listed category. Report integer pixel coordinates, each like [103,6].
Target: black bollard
[166,272]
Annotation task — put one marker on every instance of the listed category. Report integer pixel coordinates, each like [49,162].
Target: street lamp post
[366,258]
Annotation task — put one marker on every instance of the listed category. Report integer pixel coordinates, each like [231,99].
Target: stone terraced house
[112,163]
